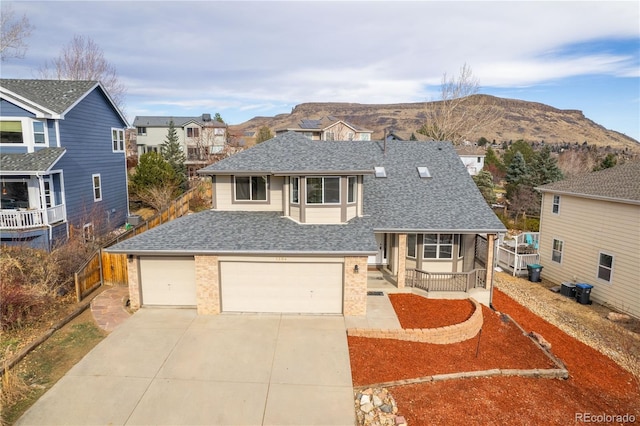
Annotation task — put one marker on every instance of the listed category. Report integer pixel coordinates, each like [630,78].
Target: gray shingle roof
[159,121]
[621,183]
[54,95]
[251,232]
[39,161]
[448,201]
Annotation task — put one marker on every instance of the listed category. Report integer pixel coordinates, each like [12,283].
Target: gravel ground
[587,323]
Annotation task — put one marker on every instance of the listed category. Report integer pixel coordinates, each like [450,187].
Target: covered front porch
[435,265]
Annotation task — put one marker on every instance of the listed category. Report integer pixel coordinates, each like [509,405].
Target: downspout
[43,202]
[493,265]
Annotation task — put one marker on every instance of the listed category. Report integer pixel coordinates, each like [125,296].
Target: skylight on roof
[424,172]
[380,172]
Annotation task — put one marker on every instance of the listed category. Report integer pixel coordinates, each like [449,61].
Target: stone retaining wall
[441,335]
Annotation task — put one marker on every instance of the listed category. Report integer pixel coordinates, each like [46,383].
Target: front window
[97,187]
[556,251]
[15,195]
[605,267]
[329,136]
[251,188]
[117,137]
[556,204]
[438,246]
[352,189]
[142,131]
[11,132]
[295,190]
[38,132]
[193,132]
[411,245]
[323,190]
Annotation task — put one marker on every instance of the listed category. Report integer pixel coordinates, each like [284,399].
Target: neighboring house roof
[470,151]
[320,124]
[251,232]
[448,201]
[52,97]
[158,121]
[42,160]
[620,183]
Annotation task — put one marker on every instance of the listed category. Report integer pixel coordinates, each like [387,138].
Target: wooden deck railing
[446,281]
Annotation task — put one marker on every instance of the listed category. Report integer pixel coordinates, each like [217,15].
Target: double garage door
[305,287]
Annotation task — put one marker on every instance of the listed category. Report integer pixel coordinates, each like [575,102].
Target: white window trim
[94,187]
[437,245]
[28,134]
[555,207]
[553,250]
[598,266]
[119,141]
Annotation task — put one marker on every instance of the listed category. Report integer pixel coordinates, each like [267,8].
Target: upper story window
[39,135]
[555,207]
[11,132]
[117,137]
[142,131]
[323,190]
[193,132]
[251,188]
[295,190]
[352,189]
[97,187]
[438,246]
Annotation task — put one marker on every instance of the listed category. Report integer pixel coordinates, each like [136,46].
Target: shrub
[20,303]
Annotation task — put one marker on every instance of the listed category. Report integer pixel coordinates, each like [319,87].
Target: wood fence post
[77,282]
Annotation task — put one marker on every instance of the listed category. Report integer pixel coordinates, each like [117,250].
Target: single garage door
[168,281]
[312,288]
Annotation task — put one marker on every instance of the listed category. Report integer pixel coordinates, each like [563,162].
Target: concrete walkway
[170,366]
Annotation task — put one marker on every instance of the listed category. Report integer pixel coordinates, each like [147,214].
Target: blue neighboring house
[62,161]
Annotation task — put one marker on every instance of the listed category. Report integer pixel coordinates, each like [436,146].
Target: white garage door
[313,288]
[169,281]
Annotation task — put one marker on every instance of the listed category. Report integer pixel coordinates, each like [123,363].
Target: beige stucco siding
[588,227]
[223,194]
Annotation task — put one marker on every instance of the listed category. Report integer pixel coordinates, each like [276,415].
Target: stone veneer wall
[207,285]
[442,335]
[133,281]
[355,286]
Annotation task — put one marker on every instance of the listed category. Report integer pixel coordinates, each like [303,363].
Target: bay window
[438,246]
[323,190]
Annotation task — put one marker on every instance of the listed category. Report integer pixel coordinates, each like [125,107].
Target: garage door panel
[281,287]
[168,281]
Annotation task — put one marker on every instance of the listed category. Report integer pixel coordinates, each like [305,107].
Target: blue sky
[245,59]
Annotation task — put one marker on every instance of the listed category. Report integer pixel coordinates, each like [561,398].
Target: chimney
[206,117]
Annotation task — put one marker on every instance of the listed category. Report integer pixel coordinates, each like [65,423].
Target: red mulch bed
[433,313]
[596,385]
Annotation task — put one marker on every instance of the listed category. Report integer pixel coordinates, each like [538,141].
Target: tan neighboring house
[200,137]
[590,233]
[297,224]
[327,129]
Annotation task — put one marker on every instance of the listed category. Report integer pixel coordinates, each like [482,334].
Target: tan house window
[323,190]
[556,251]
[411,245]
[555,208]
[251,188]
[605,267]
[438,246]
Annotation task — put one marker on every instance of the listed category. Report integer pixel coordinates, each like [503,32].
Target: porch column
[491,242]
[402,259]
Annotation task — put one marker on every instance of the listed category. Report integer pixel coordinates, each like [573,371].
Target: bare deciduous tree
[83,59]
[13,34]
[158,197]
[459,114]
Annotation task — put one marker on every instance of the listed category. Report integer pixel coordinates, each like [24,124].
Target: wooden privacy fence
[111,268]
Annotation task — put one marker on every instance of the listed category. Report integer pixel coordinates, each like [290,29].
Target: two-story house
[62,161]
[327,129]
[296,224]
[590,233]
[200,137]
[472,157]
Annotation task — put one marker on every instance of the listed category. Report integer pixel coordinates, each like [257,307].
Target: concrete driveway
[170,366]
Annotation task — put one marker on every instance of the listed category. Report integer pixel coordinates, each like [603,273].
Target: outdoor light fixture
[356,269]
[130,257]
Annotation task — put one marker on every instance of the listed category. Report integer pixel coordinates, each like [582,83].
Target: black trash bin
[583,293]
[534,272]
[568,289]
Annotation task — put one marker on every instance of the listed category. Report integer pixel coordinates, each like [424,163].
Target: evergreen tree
[609,161]
[264,134]
[218,118]
[152,171]
[172,153]
[518,146]
[413,137]
[517,172]
[491,159]
[544,168]
[484,182]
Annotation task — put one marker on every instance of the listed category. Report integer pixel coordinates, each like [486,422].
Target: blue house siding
[86,134]
[7,109]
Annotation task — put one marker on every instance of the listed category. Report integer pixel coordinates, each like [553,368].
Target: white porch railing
[515,262]
[24,219]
